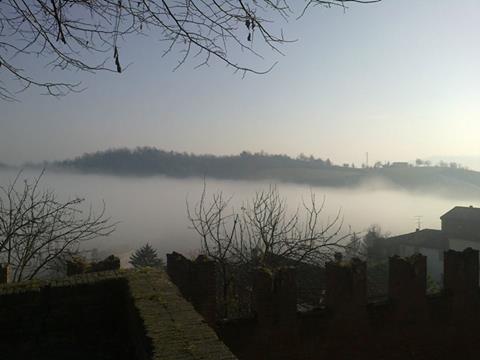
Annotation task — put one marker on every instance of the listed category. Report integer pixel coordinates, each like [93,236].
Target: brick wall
[5,273]
[197,281]
[72,321]
[408,324]
[126,314]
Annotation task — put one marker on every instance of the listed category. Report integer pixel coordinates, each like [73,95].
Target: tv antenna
[418,218]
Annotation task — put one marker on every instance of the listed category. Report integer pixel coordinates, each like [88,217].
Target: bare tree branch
[262,230]
[84,34]
[36,229]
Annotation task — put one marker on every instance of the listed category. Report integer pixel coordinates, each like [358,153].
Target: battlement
[407,321]
[125,314]
[5,273]
[197,281]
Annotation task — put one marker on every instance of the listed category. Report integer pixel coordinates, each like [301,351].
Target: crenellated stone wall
[5,274]
[197,281]
[125,314]
[408,324]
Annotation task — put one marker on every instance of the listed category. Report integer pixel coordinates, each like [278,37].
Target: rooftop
[426,238]
[462,212]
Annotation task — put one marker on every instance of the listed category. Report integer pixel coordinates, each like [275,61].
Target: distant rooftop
[427,238]
[462,212]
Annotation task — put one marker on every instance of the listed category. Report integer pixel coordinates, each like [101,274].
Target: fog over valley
[153,209]
[241,180]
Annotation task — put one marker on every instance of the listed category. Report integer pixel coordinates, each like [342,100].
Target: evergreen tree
[145,256]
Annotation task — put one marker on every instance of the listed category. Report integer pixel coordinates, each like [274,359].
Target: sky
[398,79]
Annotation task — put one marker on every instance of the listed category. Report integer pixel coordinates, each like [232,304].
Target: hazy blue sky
[399,79]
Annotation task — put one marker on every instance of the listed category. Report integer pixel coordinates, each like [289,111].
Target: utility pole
[367,160]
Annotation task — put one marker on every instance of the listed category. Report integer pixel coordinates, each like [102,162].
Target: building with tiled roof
[462,222]
[460,229]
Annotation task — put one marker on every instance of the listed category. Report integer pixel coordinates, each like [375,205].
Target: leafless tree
[37,229]
[83,34]
[356,247]
[264,232]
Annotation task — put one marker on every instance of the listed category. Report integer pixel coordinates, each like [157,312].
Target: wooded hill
[262,166]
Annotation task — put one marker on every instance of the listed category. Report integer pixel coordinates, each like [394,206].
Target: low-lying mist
[153,209]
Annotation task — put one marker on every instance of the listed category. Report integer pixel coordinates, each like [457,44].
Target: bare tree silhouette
[83,34]
[37,229]
[264,232]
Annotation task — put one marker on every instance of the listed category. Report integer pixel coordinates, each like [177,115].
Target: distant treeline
[149,160]
[449,180]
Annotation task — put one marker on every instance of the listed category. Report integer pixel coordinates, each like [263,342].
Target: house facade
[460,229]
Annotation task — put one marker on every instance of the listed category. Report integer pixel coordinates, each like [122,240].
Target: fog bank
[153,209]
